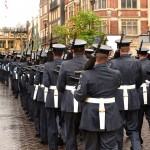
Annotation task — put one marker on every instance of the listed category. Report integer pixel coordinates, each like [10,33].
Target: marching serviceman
[52,97]
[69,106]
[143,91]
[100,115]
[127,96]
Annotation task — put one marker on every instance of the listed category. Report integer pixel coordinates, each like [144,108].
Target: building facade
[130,16]
[12,39]
[44,22]
[56,16]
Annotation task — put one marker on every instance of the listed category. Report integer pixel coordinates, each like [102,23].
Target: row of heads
[102,48]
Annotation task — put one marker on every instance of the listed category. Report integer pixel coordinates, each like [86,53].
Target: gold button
[101,110]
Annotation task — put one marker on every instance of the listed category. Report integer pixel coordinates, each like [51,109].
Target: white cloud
[19,11]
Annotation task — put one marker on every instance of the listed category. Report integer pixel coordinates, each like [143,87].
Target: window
[41,12]
[100,4]
[10,44]
[1,33]
[6,34]
[130,27]
[54,15]
[70,12]
[85,5]
[128,3]
[103,27]
[2,44]
[45,9]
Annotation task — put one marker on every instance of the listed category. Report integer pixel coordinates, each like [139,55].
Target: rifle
[117,52]
[91,62]
[51,41]
[141,44]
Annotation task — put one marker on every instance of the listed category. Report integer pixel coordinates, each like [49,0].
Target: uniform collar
[100,65]
[125,55]
[77,56]
[143,59]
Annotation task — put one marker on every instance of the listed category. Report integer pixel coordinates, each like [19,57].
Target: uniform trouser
[43,122]
[130,119]
[37,117]
[27,101]
[7,78]
[16,90]
[99,140]
[145,109]
[52,128]
[23,98]
[31,108]
[72,121]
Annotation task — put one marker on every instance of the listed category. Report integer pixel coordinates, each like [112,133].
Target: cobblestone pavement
[17,132]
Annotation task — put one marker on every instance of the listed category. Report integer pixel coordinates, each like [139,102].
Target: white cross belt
[101,102]
[75,103]
[35,92]
[125,89]
[55,95]
[144,86]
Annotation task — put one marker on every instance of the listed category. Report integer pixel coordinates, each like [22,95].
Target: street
[17,132]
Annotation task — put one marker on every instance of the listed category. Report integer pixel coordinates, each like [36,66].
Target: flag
[6,6]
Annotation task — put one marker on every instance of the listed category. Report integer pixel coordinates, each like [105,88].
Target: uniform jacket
[68,69]
[39,81]
[145,63]
[99,82]
[50,79]
[131,71]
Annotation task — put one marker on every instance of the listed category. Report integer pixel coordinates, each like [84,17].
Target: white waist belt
[45,93]
[144,86]
[16,75]
[125,89]
[75,103]
[55,95]
[101,102]
[42,85]
[35,92]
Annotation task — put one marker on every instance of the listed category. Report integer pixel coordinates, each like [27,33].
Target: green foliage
[86,25]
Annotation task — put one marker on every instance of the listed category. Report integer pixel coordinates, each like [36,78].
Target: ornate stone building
[12,39]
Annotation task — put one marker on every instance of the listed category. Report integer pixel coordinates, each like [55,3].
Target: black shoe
[141,140]
[43,142]
[60,141]
[37,135]
[131,148]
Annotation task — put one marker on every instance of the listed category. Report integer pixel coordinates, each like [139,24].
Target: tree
[86,25]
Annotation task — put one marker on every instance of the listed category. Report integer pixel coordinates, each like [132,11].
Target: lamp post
[45,25]
[92,4]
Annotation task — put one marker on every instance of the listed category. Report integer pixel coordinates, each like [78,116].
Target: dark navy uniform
[40,113]
[69,106]
[96,91]
[144,90]
[52,97]
[127,97]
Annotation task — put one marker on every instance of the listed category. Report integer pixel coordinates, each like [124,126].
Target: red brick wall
[144,3]
[129,13]
[113,27]
[144,14]
[144,27]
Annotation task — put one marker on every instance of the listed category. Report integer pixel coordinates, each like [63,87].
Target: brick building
[53,11]
[44,28]
[132,16]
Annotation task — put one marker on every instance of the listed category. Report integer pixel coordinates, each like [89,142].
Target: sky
[17,12]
